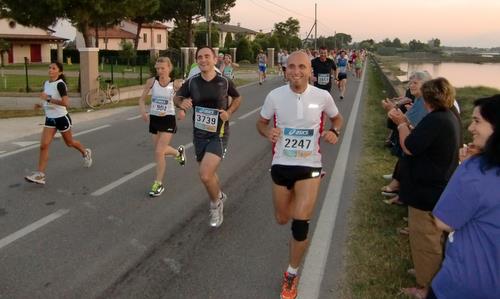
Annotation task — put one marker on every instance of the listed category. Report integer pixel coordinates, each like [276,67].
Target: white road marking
[134,117]
[91,130]
[3,155]
[129,176]
[122,180]
[249,113]
[317,255]
[19,151]
[1,152]
[231,123]
[25,143]
[32,227]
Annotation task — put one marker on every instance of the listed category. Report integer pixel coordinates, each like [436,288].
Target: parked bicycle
[103,95]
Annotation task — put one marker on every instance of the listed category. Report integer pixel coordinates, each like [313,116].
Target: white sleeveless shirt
[162,99]
[53,110]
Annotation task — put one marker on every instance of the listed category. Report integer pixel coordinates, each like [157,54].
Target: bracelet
[335,131]
[402,124]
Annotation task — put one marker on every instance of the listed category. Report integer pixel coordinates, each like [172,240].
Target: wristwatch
[48,99]
[335,131]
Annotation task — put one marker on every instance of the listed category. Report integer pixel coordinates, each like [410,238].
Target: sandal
[388,191]
[404,231]
[393,201]
[417,293]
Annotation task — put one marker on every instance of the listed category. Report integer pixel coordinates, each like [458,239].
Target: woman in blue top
[469,209]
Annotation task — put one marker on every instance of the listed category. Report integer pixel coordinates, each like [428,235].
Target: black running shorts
[62,123]
[287,175]
[162,124]
[215,145]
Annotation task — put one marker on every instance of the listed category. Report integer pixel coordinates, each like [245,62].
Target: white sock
[291,270]
[214,205]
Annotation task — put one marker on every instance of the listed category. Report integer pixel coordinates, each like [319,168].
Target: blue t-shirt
[342,64]
[416,112]
[470,204]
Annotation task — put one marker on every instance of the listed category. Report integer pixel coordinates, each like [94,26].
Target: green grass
[17,83]
[76,67]
[377,257]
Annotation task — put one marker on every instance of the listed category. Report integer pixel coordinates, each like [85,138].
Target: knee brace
[300,228]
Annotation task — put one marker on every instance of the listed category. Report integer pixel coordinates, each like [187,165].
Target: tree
[397,43]
[4,48]
[200,35]
[342,40]
[435,43]
[287,33]
[141,12]
[228,41]
[128,51]
[185,12]
[82,13]
[244,50]
[416,45]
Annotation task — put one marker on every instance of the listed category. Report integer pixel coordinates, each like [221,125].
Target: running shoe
[181,157]
[217,213]
[157,189]
[36,177]
[289,286]
[87,159]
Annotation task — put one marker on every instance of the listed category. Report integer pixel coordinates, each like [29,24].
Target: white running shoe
[36,177]
[217,213]
[87,159]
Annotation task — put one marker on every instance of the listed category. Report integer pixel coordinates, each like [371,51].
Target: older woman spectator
[431,156]
[469,209]
[414,115]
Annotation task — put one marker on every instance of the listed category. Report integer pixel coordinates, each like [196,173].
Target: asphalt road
[95,233]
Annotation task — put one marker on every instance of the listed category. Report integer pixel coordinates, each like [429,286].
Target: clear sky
[474,23]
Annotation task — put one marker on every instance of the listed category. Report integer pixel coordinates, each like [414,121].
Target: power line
[295,12]
[267,9]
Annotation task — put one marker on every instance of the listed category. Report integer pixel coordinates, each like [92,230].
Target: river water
[459,74]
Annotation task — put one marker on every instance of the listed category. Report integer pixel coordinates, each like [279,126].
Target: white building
[153,36]
[31,42]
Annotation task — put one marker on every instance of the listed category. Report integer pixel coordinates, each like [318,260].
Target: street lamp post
[208,16]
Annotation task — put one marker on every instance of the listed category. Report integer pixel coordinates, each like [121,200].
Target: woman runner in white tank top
[161,119]
[54,102]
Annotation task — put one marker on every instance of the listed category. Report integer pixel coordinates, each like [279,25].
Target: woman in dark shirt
[431,156]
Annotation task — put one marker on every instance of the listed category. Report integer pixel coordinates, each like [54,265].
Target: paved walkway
[18,127]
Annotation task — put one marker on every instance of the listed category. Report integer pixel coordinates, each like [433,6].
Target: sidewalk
[18,127]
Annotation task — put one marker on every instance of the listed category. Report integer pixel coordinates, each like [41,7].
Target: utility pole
[315,26]
[208,16]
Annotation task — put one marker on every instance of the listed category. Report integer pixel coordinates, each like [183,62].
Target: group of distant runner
[291,119]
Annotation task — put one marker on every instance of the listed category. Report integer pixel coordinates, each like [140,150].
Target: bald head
[298,71]
[300,56]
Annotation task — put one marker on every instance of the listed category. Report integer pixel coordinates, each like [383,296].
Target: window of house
[158,38]
[145,37]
